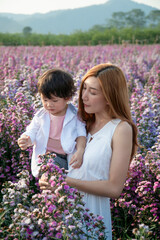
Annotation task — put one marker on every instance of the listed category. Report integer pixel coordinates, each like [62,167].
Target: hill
[68,21]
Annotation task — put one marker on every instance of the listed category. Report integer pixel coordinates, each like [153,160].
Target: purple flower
[51,208]
[29,231]
[66,187]
[58,235]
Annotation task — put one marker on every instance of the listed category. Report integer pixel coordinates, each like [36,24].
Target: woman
[111,142]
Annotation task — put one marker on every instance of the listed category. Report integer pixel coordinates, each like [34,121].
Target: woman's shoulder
[123,138]
[123,128]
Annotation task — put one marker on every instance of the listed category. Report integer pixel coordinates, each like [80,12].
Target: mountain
[70,20]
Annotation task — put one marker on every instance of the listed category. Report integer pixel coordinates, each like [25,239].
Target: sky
[43,6]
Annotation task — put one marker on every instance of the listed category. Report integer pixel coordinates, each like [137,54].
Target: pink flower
[53,183]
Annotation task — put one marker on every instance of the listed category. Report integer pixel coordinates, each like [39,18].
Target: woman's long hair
[115,90]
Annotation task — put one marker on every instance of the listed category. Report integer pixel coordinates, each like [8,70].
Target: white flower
[49,196]
[36,210]
[35,233]
[25,195]
[79,225]
[31,226]
[71,227]
[22,184]
[61,199]
[11,191]
[70,200]
[11,225]
[141,225]
[40,221]
[27,221]
[69,216]
[21,210]
[57,190]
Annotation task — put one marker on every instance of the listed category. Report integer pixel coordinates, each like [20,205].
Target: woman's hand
[71,181]
[45,185]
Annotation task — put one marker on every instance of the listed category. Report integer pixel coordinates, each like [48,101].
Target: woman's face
[92,96]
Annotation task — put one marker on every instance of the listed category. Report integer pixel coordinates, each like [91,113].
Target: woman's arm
[112,188]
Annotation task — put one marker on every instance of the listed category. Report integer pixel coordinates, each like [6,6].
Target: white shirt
[38,131]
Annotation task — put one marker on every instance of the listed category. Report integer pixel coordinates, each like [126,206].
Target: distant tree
[135,18]
[99,28]
[154,18]
[117,20]
[27,31]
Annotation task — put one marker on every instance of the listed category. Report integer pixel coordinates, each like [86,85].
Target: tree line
[124,27]
[134,19]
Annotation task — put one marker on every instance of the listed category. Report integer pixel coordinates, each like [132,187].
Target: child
[55,127]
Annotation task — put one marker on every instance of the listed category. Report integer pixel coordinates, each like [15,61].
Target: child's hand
[24,142]
[77,159]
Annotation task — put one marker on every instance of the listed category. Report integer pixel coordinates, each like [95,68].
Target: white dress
[96,165]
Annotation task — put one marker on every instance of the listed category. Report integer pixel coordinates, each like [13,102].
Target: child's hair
[57,82]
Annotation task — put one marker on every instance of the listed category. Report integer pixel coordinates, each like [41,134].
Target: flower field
[25,213]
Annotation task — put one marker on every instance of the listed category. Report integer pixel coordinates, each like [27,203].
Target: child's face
[55,106]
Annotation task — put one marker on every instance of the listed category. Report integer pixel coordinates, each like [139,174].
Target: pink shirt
[54,140]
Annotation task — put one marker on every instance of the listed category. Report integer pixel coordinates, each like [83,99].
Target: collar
[70,113]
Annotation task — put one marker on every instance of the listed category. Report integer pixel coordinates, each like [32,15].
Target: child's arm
[77,158]
[28,138]
[24,142]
